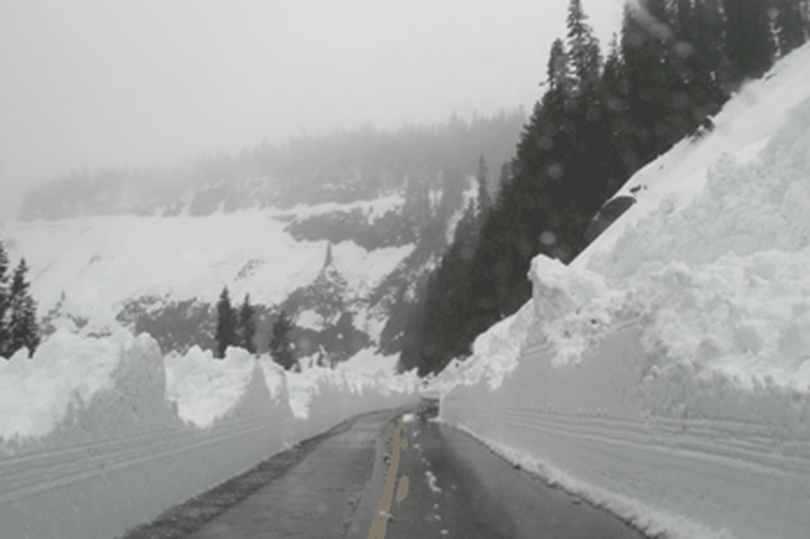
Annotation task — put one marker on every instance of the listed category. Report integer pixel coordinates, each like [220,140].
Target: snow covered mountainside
[665,373]
[342,271]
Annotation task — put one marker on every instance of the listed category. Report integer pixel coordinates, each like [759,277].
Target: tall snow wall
[665,374]
[121,451]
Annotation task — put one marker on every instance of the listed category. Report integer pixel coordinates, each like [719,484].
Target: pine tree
[789,25]
[557,74]
[226,324]
[645,44]
[453,184]
[281,348]
[713,72]
[4,300]
[484,199]
[749,41]
[30,336]
[583,47]
[23,330]
[247,326]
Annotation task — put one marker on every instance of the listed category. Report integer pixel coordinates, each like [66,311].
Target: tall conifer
[247,325]
[789,25]
[4,299]
[749,41]
[281,349]
[22,329]
[226,324]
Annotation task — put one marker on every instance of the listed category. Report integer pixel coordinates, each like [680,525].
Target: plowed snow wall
[664,448]
[125,456]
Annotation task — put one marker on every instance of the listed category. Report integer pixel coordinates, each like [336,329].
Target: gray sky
[125,82]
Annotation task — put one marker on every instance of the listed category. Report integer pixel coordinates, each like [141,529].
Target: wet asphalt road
[456,488]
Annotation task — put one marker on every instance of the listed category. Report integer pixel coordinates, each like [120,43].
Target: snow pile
[324,397]
[369,362]
[98,434]
[205,388]
[69,370]
[665,374]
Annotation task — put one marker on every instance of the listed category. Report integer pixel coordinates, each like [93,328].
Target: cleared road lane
[331,487]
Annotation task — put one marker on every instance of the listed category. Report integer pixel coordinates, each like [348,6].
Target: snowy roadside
[665,374]
[100,434]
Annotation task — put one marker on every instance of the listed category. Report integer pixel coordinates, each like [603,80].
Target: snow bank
[369,362]
[100,434]
[665,374]
[323,397]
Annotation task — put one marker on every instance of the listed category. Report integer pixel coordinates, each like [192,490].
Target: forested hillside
[602,117]
[342,167]
[338,231]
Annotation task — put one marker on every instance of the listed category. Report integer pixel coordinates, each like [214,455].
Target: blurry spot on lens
[548,238]
[555,171]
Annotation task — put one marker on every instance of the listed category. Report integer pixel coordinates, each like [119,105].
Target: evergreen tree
[645,44]
[749,41]
[281,349]
[247,326]
[23,330]
[584,55]
[453,185]
[226,324]
[708,37]
[557,74]
[417,208]
[4,300]
[484,199]
[790,25]
[623,158]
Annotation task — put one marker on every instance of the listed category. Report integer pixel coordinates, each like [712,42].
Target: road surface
[456,487]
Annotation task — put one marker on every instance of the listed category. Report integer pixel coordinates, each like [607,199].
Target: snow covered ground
[91,266]
[665,374]
[98,434]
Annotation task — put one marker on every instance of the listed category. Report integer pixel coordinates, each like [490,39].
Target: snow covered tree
[226,324]
[281,348]
[22,329]
[247,325]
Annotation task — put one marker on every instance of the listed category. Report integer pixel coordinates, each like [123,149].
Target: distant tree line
[18,310]
[237,328]
[343,166]
[599,121]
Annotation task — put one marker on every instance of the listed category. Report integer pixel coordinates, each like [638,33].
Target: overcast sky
[125,82]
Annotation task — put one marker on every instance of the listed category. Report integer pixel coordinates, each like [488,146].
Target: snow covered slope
[92,274]
[665,374]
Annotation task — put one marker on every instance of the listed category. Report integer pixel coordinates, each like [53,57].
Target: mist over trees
[344,166]
[601,118]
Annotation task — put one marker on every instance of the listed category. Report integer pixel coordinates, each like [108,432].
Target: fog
[114,83]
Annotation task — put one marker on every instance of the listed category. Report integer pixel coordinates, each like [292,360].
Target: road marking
[381,516]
